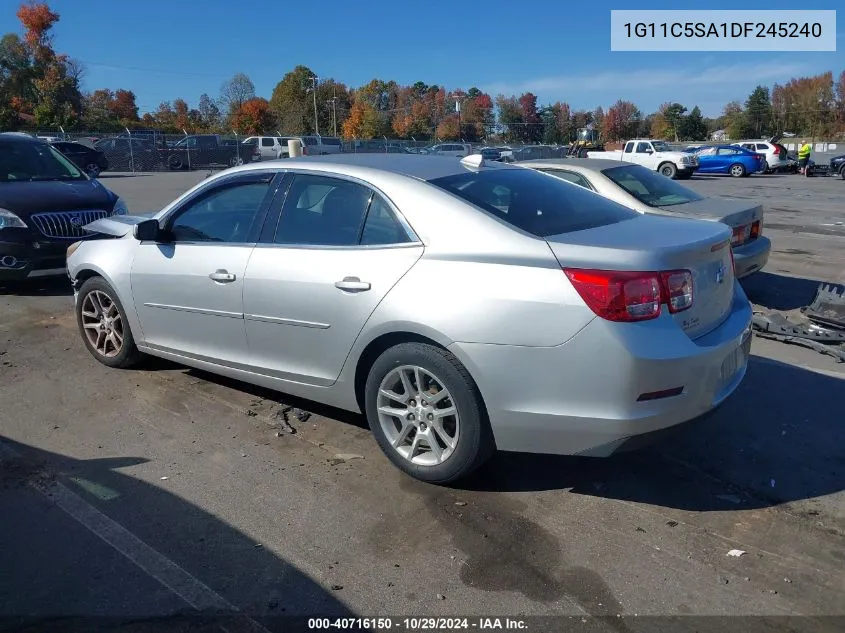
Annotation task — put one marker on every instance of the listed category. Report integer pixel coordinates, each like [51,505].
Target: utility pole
[334,114]
[316,128]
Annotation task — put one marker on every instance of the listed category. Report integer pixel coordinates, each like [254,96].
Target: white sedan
[646,191]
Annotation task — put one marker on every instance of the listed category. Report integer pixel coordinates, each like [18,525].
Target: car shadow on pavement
[60,576]
[46,287]
[126,175]
[779,292]
[778,439]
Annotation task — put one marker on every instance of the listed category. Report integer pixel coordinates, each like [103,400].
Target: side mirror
[147,231]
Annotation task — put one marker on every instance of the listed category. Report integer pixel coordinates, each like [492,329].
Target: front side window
[533,202]
[649,187]
[29,162]
[643,148]
[225,214]
[322,211]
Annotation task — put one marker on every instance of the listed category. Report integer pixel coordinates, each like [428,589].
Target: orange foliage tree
[252,117]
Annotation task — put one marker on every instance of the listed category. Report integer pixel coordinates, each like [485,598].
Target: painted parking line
[193,591]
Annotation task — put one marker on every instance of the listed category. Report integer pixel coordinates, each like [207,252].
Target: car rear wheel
[174,162]
[103,325]
[737,170]
[427,413]
[668,169]
[764,167]
[842,172]
[92,169]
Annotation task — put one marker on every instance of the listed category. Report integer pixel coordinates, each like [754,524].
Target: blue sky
[557,49]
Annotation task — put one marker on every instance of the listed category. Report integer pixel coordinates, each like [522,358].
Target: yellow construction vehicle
[587,140]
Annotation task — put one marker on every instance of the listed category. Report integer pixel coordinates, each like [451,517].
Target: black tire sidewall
[475,439]
[129,352]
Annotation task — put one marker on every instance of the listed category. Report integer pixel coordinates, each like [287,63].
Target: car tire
[92,169]
[97,304]
[764,167]
[468,428]
[174,162]
[737,170]
[842,172]
[668,169]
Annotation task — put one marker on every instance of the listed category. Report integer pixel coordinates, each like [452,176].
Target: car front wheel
[669,170]
[92,169]
[427,413]
[102,323]
[737,170]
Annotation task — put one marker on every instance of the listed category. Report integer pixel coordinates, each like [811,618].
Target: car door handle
[222,276]
[352,283]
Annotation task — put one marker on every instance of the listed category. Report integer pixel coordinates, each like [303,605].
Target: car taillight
[777,150]
[741,235]
[756,229]
[632,296]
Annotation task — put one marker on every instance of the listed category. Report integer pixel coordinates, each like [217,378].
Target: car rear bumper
[752,257]
[585,397]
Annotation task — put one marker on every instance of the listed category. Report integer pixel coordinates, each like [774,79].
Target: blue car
[727,159]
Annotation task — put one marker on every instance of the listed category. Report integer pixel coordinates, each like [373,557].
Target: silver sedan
[462,306]
[647,191]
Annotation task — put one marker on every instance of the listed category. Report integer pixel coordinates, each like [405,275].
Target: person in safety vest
[804,158]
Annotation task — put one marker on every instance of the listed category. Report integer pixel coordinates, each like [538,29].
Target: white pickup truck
[656,155]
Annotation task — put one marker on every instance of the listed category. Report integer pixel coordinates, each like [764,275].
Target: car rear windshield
[534,202]
[649,187]
[28,162]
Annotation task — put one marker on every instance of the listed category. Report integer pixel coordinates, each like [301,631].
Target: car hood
[118,225]
[731,211]
[26,198]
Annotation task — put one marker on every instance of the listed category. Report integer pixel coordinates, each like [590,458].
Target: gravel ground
[155,495]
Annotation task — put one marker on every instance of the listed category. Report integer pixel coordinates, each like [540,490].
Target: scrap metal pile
[822,330]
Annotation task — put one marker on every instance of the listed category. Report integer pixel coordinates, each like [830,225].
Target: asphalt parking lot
[151,496]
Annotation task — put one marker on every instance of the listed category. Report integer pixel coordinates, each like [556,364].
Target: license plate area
[735,360]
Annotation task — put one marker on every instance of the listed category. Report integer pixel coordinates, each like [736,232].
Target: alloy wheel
[102,323]
[418,415]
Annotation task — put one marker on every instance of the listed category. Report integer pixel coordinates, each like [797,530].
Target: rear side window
[309,140]
[629,148]
[267,142]
[533,202]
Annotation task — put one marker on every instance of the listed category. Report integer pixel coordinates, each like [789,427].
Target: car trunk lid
[743,217]
[654,243]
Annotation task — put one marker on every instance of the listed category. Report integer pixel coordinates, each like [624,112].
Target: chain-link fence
[154,151]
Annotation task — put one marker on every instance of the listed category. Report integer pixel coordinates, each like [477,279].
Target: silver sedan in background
[462,306]
[646,191]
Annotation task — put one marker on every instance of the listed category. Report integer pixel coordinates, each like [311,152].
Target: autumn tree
[253,117]
[165,117]
[733,120]
[236,91]
[208,113]
[364,122]
[510,117]
[180,115]
[532,127]
[621,121]
[660,128]
[333,103]
[291,101]
[123,106]
[56,99]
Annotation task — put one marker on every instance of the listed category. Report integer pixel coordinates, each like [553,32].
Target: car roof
[417,166]
[19,138]
[579,164]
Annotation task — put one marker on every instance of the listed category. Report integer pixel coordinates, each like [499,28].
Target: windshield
[661,146]
[534,202]
[30,162]
[649,187]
